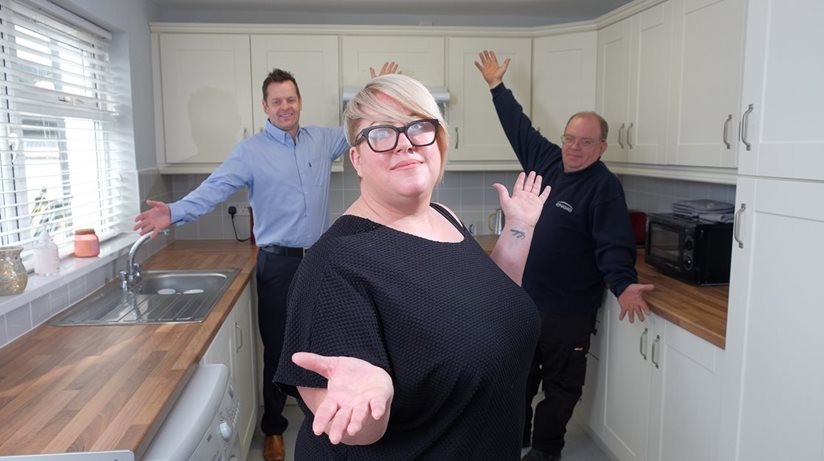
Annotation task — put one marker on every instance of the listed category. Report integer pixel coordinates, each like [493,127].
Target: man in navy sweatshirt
[583,242]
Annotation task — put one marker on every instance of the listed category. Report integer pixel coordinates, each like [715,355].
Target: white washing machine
[202,425]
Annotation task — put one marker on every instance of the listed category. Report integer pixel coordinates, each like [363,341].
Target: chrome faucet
[131,275]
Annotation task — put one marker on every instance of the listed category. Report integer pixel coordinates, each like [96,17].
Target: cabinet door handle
[239,336]
[643,344]
[653,354]
[736,225]
[629,143]
[621,136]
[726,131]
[745,132]
[457,137]
[245,133]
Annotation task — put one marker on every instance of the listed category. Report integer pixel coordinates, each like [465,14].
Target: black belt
[285,251]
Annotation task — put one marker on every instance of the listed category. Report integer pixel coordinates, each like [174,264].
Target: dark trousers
[274,275]
[560,361]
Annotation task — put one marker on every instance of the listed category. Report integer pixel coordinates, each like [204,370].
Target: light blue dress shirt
[288,184]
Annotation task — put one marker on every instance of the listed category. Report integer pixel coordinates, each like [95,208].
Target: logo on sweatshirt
[564,206]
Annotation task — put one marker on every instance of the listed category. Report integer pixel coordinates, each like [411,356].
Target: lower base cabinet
[653,390]
[234,346]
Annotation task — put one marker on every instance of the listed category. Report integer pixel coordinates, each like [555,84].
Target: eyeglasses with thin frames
[583,142]
[384,138]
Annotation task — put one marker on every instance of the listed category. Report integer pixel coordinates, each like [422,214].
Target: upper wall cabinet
[477,140]
[707,60]
[781,108]
[209,94]
[633,85]
[563,80]
[419,57]
[205,96]
[313,61]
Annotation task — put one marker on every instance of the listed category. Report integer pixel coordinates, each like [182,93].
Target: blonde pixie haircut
[406,91]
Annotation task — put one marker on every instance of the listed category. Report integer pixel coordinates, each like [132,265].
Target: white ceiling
[436,12]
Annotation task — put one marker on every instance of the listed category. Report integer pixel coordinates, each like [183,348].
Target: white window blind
[62,163]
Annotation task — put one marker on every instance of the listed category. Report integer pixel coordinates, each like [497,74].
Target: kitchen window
[63,162]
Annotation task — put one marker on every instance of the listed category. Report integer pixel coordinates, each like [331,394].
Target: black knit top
[452,330]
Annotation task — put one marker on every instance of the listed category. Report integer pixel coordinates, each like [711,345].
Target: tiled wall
[469,194]
[655,195]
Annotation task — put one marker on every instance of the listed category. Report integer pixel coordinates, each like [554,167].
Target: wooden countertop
[99,388]
[700,310]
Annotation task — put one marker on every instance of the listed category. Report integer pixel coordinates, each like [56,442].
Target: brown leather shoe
[273,448]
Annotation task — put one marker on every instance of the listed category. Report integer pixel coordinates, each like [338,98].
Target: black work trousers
[274,275]
[560,361]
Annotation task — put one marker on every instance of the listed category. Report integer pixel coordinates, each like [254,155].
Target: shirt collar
[280,135]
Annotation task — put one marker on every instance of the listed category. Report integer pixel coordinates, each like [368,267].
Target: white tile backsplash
[470,194]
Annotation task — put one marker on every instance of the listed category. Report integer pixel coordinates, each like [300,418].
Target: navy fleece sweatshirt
[584,237]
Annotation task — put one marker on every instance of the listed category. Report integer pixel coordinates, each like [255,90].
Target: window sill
[71,269]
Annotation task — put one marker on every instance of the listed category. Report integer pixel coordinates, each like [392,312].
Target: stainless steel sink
[174,296]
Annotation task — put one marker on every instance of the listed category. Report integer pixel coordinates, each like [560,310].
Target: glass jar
[86,243]
[13,275]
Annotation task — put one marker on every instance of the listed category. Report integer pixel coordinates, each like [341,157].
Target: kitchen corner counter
[700,310]
[98,388]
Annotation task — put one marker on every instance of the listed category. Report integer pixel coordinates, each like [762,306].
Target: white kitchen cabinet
[420,57]
[612,92]
[234,346]
[661,390]
[707,60]
[773,408]
[633,85]
[783,96]
[563,80]
[773,366]
[478,141]
[202,87]
[589,412]
[686,395]
[209,91]
[313,61]
[244,361]
[628,383]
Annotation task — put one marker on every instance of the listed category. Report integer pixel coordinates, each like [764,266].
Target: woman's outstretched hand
[354,407]
[527,201]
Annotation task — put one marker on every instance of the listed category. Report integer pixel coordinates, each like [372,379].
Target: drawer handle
[727,131]
[654,349]
[621,136]
[457,137]
[736,225]
[629,128]
[643,344]
[239,336]
[745,132]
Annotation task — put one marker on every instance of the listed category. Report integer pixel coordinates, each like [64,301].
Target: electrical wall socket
[241,207]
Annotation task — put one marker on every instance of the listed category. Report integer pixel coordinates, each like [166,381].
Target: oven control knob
[688,244]
[225,430]
[688,263]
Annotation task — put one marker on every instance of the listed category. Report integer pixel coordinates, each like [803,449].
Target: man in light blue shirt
[287,169]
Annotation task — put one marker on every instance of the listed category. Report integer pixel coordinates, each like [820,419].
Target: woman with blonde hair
[404,339]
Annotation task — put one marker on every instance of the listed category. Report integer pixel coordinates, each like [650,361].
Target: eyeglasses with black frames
[384,138]
[583,142]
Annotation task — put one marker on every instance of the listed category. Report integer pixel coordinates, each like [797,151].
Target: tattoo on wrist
[518,234]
